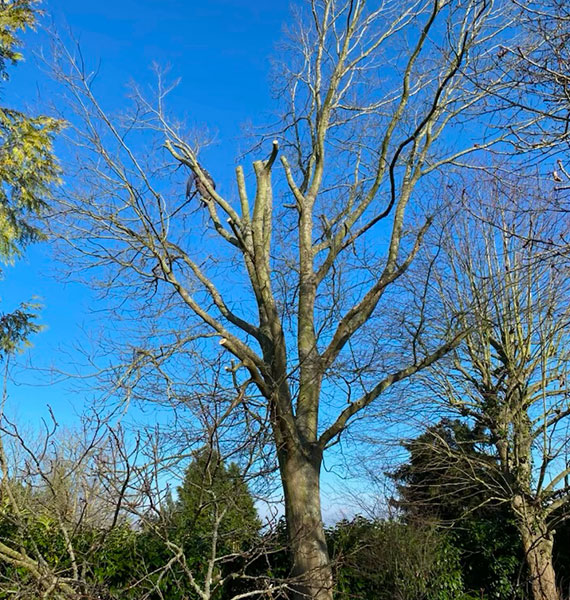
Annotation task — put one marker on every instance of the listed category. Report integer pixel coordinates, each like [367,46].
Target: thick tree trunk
[538,550]
[312,569]
[537,544]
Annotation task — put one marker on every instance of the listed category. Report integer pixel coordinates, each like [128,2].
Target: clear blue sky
[220,48]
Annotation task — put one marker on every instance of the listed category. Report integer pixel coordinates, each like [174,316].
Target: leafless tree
[377,98]
[509,376]
[69,498]
[537,62]
[542,74]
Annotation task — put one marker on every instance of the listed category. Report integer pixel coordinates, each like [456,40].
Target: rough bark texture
[311,568]
[537,543]
[539,560]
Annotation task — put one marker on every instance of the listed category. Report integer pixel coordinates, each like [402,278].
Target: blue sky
[220,49]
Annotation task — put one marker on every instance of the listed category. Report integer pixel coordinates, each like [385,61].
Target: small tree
[214,515]
[432,485]
[212,490]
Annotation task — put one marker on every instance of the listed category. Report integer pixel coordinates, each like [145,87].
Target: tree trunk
[537,544]
[311,564]
[538,550]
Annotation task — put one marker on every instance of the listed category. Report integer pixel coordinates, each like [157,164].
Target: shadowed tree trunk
[537,543]
[301,483]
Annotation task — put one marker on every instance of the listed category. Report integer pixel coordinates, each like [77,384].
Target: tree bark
[312,573]
[537,543]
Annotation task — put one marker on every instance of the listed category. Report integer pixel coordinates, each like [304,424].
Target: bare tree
[509,376]
[377,98]
[88,514]
[46,494]
[542,74]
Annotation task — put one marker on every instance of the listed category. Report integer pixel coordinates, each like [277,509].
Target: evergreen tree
[434,483]
[214,521]
[448,480]
[214,498]
[28,169]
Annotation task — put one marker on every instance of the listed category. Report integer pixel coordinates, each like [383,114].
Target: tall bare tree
[510,374]
[378,97]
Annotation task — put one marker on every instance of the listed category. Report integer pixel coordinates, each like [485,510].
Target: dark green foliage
[212,502]
[35,534]
[212,491]
[278,561]
[562,556]
[111,559]
[16,327]
[475,555]
[377,560]
[130,560]
[450,479]
[443,477]
[492,560]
